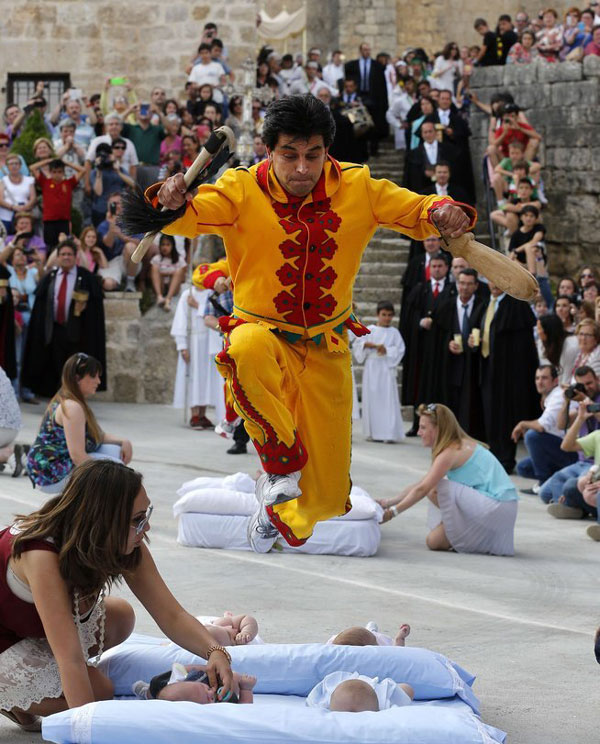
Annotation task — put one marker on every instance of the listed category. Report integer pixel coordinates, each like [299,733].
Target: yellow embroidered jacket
[293,261]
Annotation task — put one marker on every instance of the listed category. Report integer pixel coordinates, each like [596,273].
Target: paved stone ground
[523,625]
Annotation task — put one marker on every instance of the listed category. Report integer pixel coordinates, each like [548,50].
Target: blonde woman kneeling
[473,501]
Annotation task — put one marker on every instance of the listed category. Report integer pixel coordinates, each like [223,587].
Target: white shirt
[431,151]
[460,309]
[71,277]
[210,73]
[552,405]
[129,156]
[332,73]
[444,117]
[389,693]
[15,193]
[441,190]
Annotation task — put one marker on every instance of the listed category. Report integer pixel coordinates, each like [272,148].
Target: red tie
[436,290]
[427,273]
[61,310]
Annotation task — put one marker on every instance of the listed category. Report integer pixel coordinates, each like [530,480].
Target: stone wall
[561,102]
[149,41]
[140,353]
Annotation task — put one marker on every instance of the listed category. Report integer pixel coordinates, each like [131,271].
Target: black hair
[505,17]
[116,141]
[439,256]
[209,25]
[300,116]
[531,209]
[444,163]
[203,46]
[469,272]
[69,243]
[103,147]
[480,22]
[174,255]
[528,181]
[511,108]
[287,58]
[217,43]
[551,367]
[385,305]
[56,164]
[585,370]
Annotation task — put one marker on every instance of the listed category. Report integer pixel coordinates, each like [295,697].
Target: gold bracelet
[222,649]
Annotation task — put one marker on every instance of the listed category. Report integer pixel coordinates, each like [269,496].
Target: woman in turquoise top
[473,502]
[69,433]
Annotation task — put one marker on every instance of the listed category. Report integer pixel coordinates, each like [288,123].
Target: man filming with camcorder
[586,389]
[107,177]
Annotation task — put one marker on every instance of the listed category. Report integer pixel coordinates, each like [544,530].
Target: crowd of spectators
[61,206]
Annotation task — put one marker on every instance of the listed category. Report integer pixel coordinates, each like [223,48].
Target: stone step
[385,268]
[376,281]
[384,254]
[369,295]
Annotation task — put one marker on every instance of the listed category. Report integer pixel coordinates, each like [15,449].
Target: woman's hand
[220,674]
[126,451]
[387,515]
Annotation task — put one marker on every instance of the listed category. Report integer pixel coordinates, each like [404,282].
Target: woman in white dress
[473,502]
[447,68]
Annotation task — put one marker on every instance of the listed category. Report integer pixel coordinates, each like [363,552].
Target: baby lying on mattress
[189,682]
[233,630]
[352,692]
[369,636]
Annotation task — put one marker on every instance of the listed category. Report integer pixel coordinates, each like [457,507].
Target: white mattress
[214,513]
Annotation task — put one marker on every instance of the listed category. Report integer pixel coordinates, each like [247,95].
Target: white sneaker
[262,533]
[274,489]
[226,428]
[373,627]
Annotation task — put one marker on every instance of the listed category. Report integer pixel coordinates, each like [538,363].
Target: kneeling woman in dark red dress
[56,565]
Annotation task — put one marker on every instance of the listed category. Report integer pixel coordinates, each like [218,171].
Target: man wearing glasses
[114,125]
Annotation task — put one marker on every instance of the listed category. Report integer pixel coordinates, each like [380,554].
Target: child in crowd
[190,683]
[511,169]
[198,383]
[57,195]
[369,636]
[167,270]
[351,692]
[508,215]
[381,351]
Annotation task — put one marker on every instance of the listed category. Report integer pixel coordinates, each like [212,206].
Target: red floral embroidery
[305,274]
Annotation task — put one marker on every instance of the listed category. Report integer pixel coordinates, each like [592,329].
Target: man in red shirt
[57,192]
[513,130]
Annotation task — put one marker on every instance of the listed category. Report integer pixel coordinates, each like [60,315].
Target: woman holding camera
[107,177]
[473,502]
[58,563]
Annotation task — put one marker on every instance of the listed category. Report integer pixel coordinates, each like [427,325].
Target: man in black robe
[372,89]
[418,269]
[459,370]
[509,360]
[421,380]
[63,322]
[8,360]
[456,133]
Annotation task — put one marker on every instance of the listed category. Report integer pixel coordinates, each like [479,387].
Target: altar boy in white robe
[381,351]
[196,369]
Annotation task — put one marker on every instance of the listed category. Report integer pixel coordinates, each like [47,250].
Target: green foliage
[33,128]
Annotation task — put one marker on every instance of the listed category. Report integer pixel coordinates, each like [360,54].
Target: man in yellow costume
[295,227]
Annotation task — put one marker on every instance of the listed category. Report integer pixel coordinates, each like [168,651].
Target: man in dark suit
[457,134]
[421,333]
[372,89]
[459,371]
[67,317]
[423,158]
[443,184]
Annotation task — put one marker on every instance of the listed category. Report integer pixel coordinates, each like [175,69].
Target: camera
[572,390]
[593,408]
[104,157]
[113,207]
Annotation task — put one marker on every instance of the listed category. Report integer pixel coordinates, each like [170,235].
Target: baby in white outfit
[369,636]
[354,693]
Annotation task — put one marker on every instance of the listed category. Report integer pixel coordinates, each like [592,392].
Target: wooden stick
[219,138]
[510,276]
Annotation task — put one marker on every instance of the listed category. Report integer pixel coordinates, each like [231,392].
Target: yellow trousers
[296,402]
